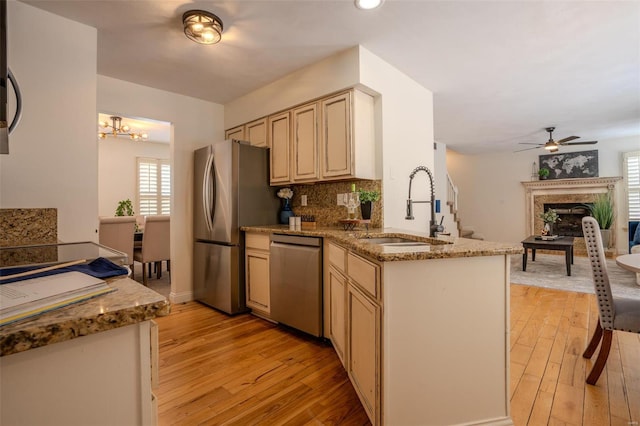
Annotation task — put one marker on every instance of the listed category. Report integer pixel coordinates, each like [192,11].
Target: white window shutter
[632,176]
[154,186]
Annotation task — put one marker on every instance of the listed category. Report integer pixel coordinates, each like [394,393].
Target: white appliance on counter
[231,189]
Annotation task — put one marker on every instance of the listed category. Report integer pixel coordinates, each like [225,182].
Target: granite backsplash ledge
[19,227]
[322,201]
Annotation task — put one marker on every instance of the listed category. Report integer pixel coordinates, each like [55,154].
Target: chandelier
[202,27]
[116,128]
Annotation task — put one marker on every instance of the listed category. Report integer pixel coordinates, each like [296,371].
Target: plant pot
[606,237]
[366,208]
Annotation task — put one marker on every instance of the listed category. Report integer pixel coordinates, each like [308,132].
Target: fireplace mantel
[596,182]
[581,190]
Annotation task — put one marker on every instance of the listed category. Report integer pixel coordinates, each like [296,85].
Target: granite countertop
[131,303]
[440,248]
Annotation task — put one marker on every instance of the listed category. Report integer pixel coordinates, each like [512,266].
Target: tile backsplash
[322,201]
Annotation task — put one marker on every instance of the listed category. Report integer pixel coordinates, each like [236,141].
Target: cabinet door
[256,132]
[279,131]
[336,143]
[305,142]
[363,349]
[338,312]
[257,280]
[235,133]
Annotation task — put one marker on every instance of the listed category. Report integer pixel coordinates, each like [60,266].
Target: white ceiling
[500,71]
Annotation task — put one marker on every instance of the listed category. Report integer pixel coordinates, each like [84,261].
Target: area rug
[550,271]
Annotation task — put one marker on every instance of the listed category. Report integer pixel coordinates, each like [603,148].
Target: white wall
[195,123]
[117,169]
[407,140]
[492,198]
[330,75]
[404,115]
[440,173]
[53,152]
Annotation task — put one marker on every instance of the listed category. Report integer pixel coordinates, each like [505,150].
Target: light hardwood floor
[242,370]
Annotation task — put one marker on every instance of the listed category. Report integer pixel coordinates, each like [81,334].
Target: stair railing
[452,193]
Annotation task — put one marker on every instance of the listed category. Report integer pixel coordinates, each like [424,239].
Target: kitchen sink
[394,241]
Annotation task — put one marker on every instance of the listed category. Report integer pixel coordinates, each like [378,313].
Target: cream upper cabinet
[336,136]
[279,134]
[347,136]
[304,143]
[235,133]
[257,273]
[329,139]
[256,132]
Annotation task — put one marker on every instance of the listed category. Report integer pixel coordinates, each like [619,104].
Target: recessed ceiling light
[368,4]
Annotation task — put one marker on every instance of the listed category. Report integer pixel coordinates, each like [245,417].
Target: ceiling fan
[553,146]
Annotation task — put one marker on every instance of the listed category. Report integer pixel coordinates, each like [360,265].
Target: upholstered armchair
[117,233]
[155,243]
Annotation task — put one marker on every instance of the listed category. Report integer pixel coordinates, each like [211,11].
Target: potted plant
[602,212]
[125,208]
[549,218]
[366,198]
[543,173]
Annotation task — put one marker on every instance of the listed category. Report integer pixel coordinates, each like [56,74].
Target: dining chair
[155,243]
[615,313]
[117,233]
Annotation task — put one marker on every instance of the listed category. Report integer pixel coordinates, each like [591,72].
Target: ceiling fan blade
[581,143]
[531,143]
[570,138]
[528,149]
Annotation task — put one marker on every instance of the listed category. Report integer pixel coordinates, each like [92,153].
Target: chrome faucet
[434,228]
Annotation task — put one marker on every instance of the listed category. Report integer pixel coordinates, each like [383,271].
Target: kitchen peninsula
[90,363]
[421,326]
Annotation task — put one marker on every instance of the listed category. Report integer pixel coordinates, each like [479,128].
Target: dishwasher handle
[296,240]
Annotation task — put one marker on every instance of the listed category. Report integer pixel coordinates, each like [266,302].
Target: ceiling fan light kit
[554,146]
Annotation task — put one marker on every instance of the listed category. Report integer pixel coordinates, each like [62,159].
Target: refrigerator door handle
[208,192]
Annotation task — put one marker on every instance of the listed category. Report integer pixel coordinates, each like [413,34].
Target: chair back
[117,233]
[595,250]
[155,239]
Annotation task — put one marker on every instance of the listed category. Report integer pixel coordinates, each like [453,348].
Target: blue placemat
[99,268]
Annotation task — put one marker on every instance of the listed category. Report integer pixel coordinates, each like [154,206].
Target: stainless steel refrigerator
[231,189]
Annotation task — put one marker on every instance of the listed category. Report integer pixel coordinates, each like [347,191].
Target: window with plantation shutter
[632,177]
[154,186]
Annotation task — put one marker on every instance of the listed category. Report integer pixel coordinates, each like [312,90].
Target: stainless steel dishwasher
[296,282]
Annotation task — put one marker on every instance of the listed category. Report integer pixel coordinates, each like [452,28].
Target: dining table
[630,262]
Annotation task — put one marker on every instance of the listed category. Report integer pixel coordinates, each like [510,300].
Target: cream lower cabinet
[257,273]
[355,327]
[338,312]
[363,343]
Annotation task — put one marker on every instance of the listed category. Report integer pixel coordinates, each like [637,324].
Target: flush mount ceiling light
[368,4]
[116,128]
[202,27]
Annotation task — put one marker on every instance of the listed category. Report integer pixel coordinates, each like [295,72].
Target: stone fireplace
[568,197]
